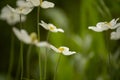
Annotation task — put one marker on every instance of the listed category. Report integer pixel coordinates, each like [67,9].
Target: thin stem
[38,17]
[38,31]
[27,61]
[21,50]
[55,73]
[109,53]
[18,69]
[40,66]
[11,57]
[21,54]
[45,66]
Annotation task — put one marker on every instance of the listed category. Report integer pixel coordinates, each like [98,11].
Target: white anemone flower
[11,17]
[102,26]
[50,27]
[64,50]
[23,36]
[23,3]
[43,4]
[34,2]
[46,4]
[21,10]
[115,35]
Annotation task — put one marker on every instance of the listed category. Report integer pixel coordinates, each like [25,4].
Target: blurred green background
[74,16]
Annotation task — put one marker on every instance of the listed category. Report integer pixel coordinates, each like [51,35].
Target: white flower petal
[12,9]
[11,17]
[25,37]
[22,35]
[42,44]
[116,26]
[17,33]
[60,30]
[26,11]
[113,36]
[46,4]
[54,48]
[113,21]
[44,25]
[97,29]
[23,3]
[20,10]
[34,2]
[67,53]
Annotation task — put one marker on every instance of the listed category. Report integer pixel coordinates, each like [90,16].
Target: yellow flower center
[108,24]
[20,9]
[34,37]
[51,27]
[61,49]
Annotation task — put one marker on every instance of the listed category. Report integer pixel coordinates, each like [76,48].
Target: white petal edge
[42,44]
[68,53]
[54,48]
[44,25]
[46,4]
[95,29]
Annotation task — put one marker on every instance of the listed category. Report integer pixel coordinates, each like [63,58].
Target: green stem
[38,17]
[38,31]
[27,61]
[109,53]
[55,73]
[21,54]
[11,57]
[21,50]
[18,70]
[45,66]
[40,66]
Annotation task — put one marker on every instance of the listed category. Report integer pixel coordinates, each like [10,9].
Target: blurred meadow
[91,60]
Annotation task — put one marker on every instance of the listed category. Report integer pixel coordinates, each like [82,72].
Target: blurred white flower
[64,50]
[23,3]
[44,4]
[10,17]
[21,10]
[23,36]
[50,27]
[34,2]
[115,35]
[102,26]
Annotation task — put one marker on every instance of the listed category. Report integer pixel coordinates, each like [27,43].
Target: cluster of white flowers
[10,17]
[103,26]
[32,39]
[24,7]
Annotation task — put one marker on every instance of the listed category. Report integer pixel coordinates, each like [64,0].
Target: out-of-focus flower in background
[46,4]
[23,3]
[50,27]
[115,35]
[102,26]
[11,17]
[43,4]
[21,10]
[23,36]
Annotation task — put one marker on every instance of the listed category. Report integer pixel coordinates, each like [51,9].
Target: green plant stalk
[55,73]
[21,50]
[38,31]
[11,57]
[21,54]
[45,66]
[27,61]
[109,53]
[18,70]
